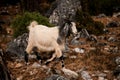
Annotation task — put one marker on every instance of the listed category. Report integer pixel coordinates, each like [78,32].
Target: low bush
[84,20]
[20,22]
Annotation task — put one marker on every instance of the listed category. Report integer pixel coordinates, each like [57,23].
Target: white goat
[47,39]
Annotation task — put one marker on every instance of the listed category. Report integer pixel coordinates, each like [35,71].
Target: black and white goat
[47,39]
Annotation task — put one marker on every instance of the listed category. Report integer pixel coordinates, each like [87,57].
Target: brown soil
[92,60]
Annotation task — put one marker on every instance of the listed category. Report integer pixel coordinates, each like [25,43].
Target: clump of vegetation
[20,23]
[84,21]
[108,7]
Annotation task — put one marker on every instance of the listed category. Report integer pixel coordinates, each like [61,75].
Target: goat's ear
[66,28]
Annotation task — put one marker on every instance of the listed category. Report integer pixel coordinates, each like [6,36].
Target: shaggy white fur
[45,39]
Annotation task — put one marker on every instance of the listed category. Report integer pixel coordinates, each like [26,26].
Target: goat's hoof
[27,63]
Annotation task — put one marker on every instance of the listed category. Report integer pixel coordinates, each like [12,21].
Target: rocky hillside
[91,57]
[88,57]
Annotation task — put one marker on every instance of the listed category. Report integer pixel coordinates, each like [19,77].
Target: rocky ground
[96,58]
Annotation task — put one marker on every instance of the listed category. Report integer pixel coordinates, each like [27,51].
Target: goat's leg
[27,52]
[57,54]
[58,58]
[26,57]
[38,57]
[62,61]
[49,60]
[35,49]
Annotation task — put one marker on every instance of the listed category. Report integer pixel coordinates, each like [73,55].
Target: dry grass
[92,60]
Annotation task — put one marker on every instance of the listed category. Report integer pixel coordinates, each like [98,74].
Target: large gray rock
[62,9]
[17,47]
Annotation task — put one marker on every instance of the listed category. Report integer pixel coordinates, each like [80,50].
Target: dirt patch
[94,60]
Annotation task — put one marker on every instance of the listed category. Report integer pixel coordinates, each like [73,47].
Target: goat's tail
[33,23]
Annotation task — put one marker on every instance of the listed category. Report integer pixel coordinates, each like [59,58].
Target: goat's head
[32,25]
[67,28]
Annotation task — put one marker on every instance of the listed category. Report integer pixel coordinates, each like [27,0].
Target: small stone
[101,78]
[34,71]
[73,57]
[85,75]
[70,73]
[20,78]
[18,65]
[111,39]
[36,65]
[79,50]
[117,60]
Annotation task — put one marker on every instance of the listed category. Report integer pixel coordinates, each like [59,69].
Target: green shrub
[85,21]
[20,23]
